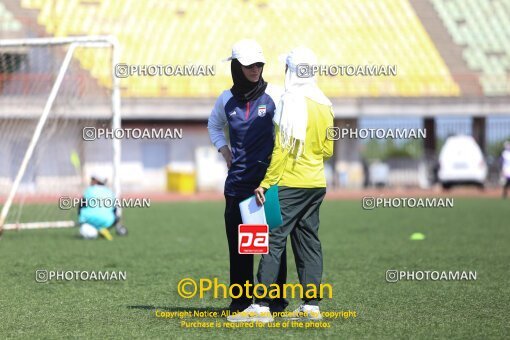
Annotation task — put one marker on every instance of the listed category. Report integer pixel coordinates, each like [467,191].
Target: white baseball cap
[100,178]
[248,52]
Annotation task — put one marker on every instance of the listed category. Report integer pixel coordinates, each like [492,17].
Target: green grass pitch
[171,241]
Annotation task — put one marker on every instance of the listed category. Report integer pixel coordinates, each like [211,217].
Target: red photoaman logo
[253,239]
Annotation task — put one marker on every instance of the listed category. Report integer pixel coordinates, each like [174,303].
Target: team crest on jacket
[261,110]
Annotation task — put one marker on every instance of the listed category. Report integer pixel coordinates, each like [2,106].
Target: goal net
[51,89]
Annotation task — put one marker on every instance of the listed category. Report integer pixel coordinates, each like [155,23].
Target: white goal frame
[73,42]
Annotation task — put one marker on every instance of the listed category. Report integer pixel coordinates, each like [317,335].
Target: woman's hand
[259,195]
[227,155]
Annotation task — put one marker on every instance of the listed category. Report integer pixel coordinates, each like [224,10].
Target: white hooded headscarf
[291,114]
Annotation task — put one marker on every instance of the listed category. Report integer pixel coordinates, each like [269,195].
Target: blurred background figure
[95,214]
[505,168]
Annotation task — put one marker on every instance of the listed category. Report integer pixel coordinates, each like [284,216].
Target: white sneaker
[308,312]
[253,313]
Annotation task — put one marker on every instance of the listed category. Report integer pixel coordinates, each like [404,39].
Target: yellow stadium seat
[203,31]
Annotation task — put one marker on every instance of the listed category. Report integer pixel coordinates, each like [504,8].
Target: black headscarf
[243,89]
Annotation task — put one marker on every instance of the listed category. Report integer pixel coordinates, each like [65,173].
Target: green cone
[417,237]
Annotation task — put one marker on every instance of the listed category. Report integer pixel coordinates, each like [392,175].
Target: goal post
[21,82]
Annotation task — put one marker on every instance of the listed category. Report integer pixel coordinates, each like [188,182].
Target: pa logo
[261,111]
[253,239]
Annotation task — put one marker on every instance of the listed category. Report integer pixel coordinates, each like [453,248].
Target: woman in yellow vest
[302,119]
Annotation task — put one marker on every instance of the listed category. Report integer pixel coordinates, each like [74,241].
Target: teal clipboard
[272,208]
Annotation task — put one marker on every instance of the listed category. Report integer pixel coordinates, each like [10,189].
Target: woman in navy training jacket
[248,109]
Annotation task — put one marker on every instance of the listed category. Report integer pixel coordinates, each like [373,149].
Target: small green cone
[417,237]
